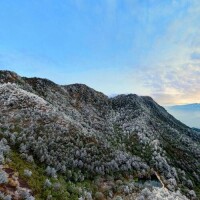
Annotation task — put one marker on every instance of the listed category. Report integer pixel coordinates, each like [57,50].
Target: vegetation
[70,142]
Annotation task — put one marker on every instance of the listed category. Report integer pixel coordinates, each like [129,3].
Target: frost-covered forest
[88,146]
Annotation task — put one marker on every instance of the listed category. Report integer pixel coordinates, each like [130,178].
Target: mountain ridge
[75,127]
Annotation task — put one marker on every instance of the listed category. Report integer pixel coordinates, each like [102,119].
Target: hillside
[70,142]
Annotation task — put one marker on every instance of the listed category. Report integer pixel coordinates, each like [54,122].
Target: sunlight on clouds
[174,84]
[178,85]
[173,69]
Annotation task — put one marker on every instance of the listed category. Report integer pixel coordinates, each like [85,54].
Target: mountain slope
[81,133]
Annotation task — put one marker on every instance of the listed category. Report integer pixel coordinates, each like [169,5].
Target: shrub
[56,186]
[5,197]
[118,198]
[99,196]
[51,172]
[2,160]
[3,177]
[25,195]
[47,183]
[27,173]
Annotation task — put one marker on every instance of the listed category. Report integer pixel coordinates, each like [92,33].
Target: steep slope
[171,146]
[81,133]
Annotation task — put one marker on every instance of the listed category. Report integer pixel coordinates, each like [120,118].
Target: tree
[3,177]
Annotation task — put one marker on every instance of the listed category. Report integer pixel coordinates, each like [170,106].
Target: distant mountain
[187,107]
[196,129]
[188,114]
[81,144]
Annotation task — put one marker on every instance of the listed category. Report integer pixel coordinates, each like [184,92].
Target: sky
[147,47]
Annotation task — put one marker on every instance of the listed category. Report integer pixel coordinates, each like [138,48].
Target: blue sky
[148,47]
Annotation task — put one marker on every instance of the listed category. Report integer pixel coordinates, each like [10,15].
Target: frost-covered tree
[2,160]
[27,173]
[25,195]
[56,186]
[5,197]
[160,194]
[47,183]
[51,172]
[3,177]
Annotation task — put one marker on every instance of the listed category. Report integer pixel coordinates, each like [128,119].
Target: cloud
[179,85]
[173,84]
[171,70]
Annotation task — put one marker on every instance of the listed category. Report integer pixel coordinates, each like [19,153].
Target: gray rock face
[74,128]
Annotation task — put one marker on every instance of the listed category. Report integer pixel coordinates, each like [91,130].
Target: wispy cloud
[173,69]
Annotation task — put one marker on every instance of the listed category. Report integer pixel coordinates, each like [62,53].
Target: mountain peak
[83,89]
[9,76]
